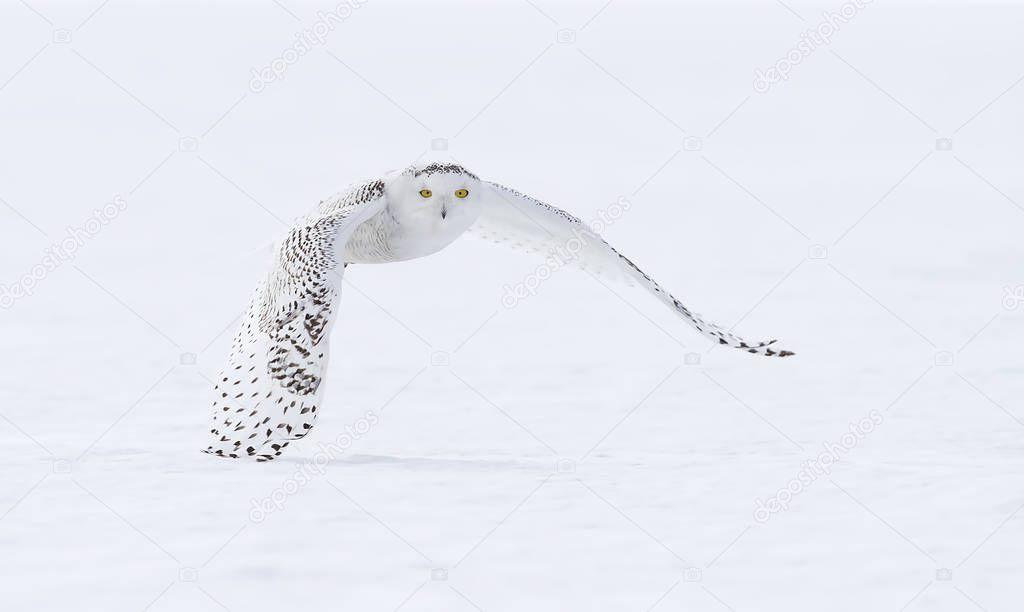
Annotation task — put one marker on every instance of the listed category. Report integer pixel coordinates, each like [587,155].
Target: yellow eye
[461,193]
[426,193]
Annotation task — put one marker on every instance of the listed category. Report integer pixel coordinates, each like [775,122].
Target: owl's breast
[383,239]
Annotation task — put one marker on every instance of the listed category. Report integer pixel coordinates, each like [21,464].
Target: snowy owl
[270,389]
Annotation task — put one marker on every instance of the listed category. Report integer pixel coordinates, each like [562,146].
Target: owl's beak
[444,209]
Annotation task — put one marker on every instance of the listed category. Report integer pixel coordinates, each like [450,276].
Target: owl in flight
[270,389]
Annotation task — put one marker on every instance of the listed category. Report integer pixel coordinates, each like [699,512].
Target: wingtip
[765,349]
[773,353]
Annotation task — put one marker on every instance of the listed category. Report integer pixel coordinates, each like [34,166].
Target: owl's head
[444,194]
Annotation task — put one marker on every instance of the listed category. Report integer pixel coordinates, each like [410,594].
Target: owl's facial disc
[435,198]
[445,193]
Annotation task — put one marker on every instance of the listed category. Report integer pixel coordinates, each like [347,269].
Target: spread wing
[269,391]
[524,222]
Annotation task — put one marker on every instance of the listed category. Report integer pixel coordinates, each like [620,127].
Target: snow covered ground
[582,450]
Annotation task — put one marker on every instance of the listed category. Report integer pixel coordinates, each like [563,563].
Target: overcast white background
[569,456]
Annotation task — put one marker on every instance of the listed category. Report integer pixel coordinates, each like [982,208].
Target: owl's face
[445,197]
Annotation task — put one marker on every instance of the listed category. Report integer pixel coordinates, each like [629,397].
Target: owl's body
[270,389]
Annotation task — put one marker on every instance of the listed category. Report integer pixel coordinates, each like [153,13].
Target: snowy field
[582,449]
